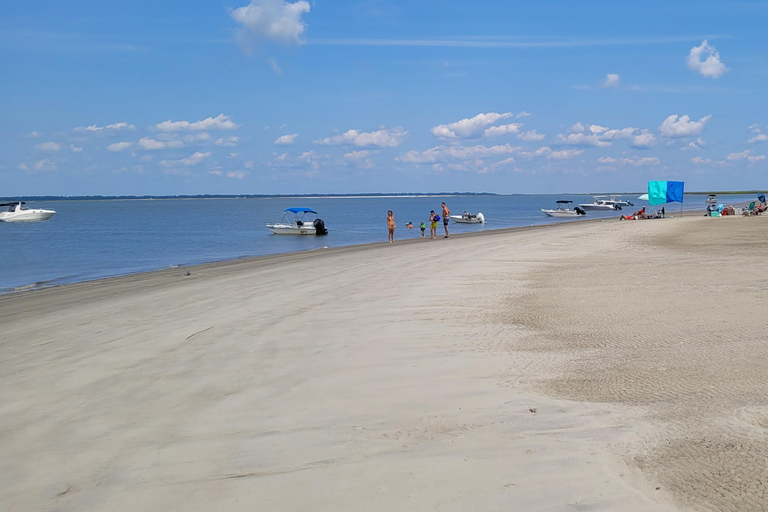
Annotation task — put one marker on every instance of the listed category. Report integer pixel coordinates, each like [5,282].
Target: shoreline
[403,241]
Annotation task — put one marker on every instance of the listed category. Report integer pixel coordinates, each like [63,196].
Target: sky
[381,96]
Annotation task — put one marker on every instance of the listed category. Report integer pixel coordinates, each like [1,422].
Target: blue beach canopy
[299,210]
[661,192]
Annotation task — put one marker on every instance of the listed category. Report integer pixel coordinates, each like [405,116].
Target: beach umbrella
[643,197]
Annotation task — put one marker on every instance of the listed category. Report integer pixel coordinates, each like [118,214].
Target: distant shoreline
[332,196]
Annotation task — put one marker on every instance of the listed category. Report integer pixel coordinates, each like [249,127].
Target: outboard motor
[616,207]
[481,218]
[320,227]
[580,211]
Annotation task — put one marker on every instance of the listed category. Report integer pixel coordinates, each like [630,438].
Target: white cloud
[446,153]
[286,140]
[45,165]
[49,146]
[596,128]
[706,161]
[34,135]
[580,139]
[531,136]
[194,159]
[565,154]
[227,142]
[109,128]
[220,122]
[380,138]
[745,155]
[197,137]
[273,64]
[694,145]
[236,174]
[758,138]
[706,60]
[542,151]
[152,144]
[634,161]
[119,146]
[523,114]
[612,81]
[23,166]
[577,128]
[674,128]
[274,20]
[469,128]
[75,149]
[643,140]
[503,129]
[360,158]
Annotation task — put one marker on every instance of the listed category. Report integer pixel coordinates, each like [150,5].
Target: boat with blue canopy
[299,221]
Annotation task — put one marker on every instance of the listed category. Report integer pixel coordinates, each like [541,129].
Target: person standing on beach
[422,227]
[432,225]
[391,226]
[446,213]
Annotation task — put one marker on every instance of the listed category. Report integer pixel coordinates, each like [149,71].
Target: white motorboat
[563,209]
[618,201]
[18,213]
[297,221]
[600,203]
[469,218]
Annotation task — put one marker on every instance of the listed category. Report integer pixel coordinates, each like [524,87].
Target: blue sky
[194,97]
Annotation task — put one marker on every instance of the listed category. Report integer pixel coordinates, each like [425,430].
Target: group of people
[641,214]
[434,218]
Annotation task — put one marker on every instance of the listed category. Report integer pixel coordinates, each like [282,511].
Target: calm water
[93,239]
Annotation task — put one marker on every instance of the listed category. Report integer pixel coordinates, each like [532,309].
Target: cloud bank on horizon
[348,111]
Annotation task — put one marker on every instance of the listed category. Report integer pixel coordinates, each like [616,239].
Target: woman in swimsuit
[391,226]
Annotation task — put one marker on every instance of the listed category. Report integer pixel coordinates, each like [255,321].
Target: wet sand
[595,366]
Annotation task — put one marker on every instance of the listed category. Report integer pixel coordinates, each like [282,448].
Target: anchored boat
[299,221]
[469,218]
[563,209]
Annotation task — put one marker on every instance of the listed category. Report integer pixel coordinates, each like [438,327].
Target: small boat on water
[615,199]
[563,209]
[18,213]
[298,221]
[469,218]
[600,203]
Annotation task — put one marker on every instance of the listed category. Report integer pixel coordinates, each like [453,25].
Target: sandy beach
[588,366]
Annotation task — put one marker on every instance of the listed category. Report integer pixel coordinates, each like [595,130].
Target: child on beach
[422,227]
[432,225]
[391,226]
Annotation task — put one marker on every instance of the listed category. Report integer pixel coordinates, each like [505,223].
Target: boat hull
[460,220]
[560,213]
[597,207]
[26,216]
[287,229]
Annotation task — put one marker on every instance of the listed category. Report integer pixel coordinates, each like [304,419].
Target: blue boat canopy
[300,210]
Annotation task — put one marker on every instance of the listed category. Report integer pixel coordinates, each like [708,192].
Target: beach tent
[661,192]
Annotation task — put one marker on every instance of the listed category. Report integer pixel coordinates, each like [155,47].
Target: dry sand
[597,366]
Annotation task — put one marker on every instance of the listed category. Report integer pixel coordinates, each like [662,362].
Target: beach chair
[750,210]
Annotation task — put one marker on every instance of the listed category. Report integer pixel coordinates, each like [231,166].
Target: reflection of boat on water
[469,218]
[300,224]
[18,213]
[600,203]
[617,200]
[563,209]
